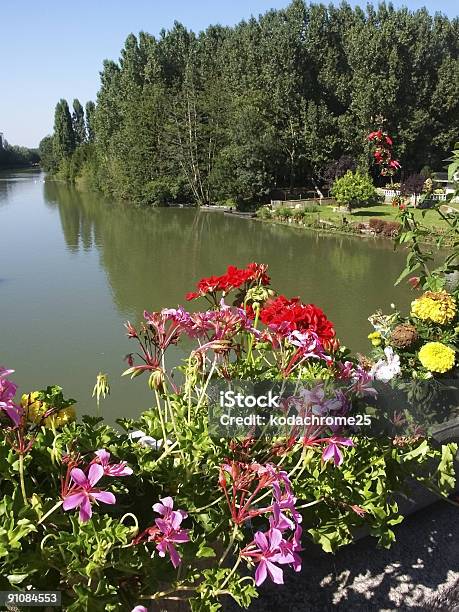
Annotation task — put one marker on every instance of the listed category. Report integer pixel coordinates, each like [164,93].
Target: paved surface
[423,562]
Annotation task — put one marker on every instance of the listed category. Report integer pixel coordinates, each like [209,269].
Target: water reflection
[152,257]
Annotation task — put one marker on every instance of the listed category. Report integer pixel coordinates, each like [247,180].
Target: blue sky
[53,48]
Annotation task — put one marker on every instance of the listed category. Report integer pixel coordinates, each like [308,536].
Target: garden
[358,207]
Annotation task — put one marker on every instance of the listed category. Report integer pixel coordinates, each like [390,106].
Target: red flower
[233,279]
[375,135]
[294,315]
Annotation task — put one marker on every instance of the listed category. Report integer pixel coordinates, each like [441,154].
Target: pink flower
[169,531]
[112,469]
[4,372]
[7,392]
[279,520]
[139,609]
[83,493]
[333,452]
[171,535]
[308,342]
[165,508]
[267,554]
[291,548]
[285,501]
[361,380]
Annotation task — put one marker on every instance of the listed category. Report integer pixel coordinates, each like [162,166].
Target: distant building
[441,180]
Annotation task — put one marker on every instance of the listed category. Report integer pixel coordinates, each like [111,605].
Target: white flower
[141,438]
[386,369]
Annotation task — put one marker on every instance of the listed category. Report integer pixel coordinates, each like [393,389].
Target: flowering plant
[159,508]
[382,152]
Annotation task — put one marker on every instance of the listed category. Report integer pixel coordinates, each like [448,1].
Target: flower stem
[21,478]
[227,579]
[230,544]
[45,516]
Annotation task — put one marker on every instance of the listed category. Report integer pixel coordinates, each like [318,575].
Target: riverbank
[379,221]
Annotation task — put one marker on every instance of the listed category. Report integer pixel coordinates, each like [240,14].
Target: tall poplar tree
[64,136]
[90,112]
[78,122]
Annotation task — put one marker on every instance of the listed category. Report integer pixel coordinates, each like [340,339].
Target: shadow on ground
[423,562]
[370,213]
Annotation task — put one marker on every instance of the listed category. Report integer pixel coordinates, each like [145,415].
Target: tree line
[14,156]
[279,101]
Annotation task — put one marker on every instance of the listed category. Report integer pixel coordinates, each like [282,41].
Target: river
[75,266]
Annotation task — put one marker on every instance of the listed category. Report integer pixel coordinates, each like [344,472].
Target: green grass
[386,212]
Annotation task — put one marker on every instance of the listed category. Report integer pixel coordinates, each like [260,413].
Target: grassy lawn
[386,212]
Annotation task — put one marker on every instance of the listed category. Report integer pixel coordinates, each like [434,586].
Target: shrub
[298,215]
[284,213]
[354,190]
[376,225]
[389,229]
[311,208]
[265,213]
[160,191]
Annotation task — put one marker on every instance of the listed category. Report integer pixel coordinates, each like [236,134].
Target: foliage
[78,122]
[390,229]
[233,112]
[337,169]
[47,159]
[420,256]
[90,112]
[413,185]
[75,513]
[354,190]
[64,141]
[12,156]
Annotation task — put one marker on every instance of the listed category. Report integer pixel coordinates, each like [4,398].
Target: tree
[353,190]
[46,150]
[78,122]
[413,185]
[337,169]
[90,112]
[273,102]
[64,135]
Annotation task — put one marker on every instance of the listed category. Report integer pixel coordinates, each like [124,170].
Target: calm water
[74,267]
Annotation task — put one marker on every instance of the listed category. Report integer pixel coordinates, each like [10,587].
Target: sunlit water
[75,266]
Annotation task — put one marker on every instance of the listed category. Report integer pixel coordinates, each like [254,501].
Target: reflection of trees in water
[10,179]
[152,257]
[4,192]
[75,218]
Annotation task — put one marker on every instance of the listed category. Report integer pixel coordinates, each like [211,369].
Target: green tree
[64,135]
[90,112]
[47,158]
[78,122]
[237,112]
[353,190]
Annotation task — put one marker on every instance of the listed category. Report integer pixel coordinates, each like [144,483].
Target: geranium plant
[160,508]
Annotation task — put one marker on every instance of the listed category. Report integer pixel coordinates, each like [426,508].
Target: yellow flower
[435,306]
[375,338]
[36,410]
[61,418]
[437,357]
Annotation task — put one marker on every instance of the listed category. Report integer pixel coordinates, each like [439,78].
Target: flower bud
[156,380]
